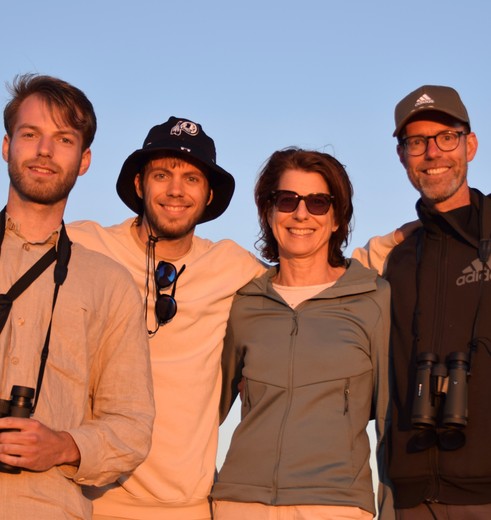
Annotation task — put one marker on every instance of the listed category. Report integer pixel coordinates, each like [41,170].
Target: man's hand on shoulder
[406,230]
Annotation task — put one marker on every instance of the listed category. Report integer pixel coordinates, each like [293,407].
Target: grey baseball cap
[429,98]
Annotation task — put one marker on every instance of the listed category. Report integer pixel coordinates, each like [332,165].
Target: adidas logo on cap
[424,100]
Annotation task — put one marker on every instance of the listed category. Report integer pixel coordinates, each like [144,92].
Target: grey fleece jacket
[313,377]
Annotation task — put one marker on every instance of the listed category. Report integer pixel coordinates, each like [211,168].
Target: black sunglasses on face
[288,201]
[165,304]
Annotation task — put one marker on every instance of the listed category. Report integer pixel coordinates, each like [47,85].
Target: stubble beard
[173,230]
[46,193]
[438,196]
[441,192]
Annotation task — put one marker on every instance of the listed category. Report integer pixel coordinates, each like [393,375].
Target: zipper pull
[295,326]
[346,397]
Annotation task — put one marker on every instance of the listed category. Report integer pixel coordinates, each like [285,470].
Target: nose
[301,213]
[45,146]
[175,187]
[432,149]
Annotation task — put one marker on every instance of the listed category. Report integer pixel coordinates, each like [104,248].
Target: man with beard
[173,183]
[441,334]
[71,333]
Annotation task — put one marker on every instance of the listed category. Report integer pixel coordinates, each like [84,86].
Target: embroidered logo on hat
[424,100]
[184,126]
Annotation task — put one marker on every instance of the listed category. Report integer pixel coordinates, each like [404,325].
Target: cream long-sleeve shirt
[97,382]
[376,251]
[175,480]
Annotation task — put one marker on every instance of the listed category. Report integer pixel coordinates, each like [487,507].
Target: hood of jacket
[356,280]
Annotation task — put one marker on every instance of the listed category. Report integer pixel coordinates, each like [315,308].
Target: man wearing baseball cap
[173,183]
[441,331]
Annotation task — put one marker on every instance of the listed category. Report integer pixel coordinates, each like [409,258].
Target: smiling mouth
[42,169]
[174,208]
[300,231]
[436,171]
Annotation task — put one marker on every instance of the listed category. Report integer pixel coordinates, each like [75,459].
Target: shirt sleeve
[115,436]
[376,251]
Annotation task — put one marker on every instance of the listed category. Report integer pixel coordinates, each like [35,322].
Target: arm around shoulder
[376,251]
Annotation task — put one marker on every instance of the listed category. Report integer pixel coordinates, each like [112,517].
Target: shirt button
[26,246]
[15,361]
[20,321]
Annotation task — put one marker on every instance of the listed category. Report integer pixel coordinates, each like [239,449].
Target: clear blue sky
[259,76]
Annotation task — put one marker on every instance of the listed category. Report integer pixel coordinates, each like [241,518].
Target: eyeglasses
[165,304]
[288,201]
[446,141]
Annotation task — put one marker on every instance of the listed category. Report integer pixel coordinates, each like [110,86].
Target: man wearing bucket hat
[186,140]
[441,333]
[173,183]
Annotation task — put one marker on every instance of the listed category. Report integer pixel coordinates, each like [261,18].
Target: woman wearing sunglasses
[307,345]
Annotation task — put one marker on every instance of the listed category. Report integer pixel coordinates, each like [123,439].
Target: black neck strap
[7,299]
[3,222]
[484,253]
[62,257]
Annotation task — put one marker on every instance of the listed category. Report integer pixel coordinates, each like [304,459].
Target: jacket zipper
[437,347]
[293,333]
[435,488]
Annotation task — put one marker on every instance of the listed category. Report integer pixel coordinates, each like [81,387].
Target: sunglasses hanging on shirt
[166,276]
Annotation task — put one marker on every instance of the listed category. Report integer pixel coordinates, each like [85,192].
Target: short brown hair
[73,104]
[339,185]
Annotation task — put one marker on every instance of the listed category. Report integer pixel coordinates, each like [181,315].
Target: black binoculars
[19,405]
[440,401]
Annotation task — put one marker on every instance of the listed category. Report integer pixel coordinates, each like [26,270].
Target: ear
[471,146]
[138,185]
[210,198]
[85,161]
[5,147]
[401,154]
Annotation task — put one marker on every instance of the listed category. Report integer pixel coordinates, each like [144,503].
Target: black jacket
[441,303]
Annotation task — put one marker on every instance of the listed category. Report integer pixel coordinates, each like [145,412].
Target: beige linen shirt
[97,384]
